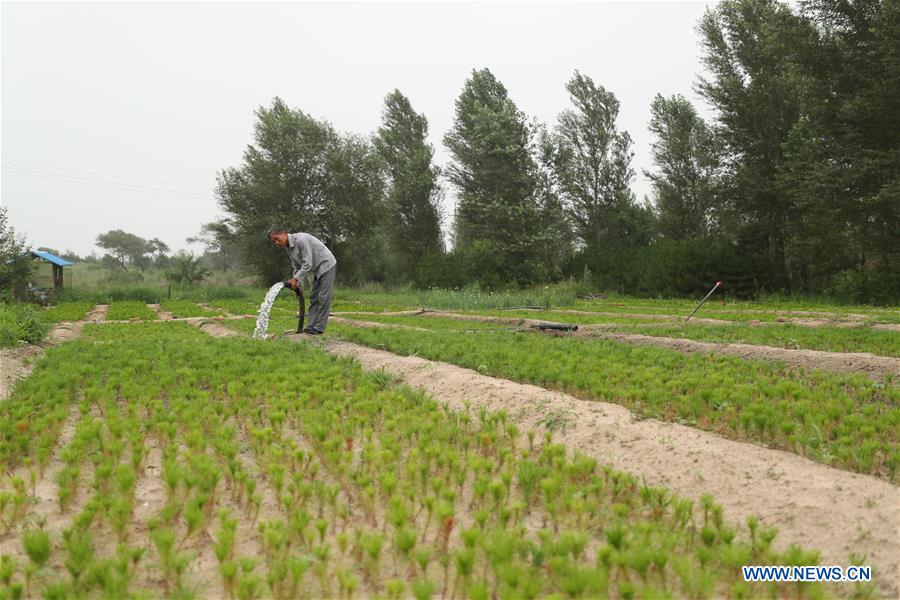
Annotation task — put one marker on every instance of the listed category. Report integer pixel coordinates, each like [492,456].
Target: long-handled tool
[705,298]
[301,315]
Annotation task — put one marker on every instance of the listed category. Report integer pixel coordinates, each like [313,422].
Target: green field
[284,472]
[129,309]
[783,335]
[848,421]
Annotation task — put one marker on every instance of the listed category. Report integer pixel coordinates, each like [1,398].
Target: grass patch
[21,323]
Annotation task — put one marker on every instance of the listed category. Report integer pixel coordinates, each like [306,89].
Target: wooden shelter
[48,276]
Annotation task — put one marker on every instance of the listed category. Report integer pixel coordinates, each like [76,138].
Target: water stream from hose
[262,321]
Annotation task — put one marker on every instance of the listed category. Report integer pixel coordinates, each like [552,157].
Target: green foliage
[841,168]
[848,421]
[15,264]
[67,311]
[127,249]
[230,425]
[498,219]
[591,163]
[685,157]
[129,309]
[185,269]
[303,173]
[414,193]
[806,136]
[21,323]
[690,267]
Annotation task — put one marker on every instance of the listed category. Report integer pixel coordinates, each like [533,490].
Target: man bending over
[309,255]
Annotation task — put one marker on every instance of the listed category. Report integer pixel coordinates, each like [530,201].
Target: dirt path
[213,328]
[849,321]
[835,511]
[712,308]
[162,315]
[376,324]
[16,363]
[872,365]
[179,319]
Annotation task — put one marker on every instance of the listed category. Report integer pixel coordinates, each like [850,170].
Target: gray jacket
[307,254]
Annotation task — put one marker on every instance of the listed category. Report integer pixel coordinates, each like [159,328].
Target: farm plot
[744,310]
[195,466]
[829,339]
[283,306]
[129,309]
[185,308]
[67,311]
[843,420]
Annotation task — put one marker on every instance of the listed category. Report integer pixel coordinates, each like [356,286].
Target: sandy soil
[212,328]
[843,321]
[162,315]
[98,314]
[221,312]
[15,364]
[647,316]
[821,321]
[713,307]
[876,367]
[835,511]
[44,506]
[376,324]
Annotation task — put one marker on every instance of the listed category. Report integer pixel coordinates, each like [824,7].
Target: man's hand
[293,283]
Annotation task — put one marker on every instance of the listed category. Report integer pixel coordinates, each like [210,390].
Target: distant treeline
[793,187]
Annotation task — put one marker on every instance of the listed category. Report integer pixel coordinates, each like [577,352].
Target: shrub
[21,323]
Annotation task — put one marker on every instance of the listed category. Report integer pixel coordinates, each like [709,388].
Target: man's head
[277,235]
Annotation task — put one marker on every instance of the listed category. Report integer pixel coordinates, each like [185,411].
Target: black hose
[301,315]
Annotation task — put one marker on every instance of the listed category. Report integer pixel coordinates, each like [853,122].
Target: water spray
[262,321]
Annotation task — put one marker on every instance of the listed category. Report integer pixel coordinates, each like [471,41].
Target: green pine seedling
[7,569]
[37,546]
[395,588]
[422,589]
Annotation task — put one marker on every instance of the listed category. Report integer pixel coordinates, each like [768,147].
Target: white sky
[156,97]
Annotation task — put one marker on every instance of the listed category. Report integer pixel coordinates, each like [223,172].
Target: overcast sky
[119,115]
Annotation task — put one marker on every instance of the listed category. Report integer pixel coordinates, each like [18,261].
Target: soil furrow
[162,315]
[872,365]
